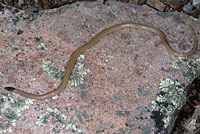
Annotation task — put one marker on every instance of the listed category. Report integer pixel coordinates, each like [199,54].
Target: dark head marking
[9,88]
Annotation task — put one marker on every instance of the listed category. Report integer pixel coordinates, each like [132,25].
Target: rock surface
[126,68]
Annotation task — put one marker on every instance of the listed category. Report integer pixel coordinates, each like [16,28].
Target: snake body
[86,46]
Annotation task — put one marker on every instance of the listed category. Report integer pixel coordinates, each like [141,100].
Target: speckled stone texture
[126,67]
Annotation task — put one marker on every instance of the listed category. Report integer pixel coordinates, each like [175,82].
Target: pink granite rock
[128,68]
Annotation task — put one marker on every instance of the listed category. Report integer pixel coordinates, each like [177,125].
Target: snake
[90,43]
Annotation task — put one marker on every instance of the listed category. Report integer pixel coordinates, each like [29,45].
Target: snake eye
[9,88]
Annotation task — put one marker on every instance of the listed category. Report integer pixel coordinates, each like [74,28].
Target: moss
[60,118]
[10,111]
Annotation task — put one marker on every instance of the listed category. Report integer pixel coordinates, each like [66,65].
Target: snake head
[11,89]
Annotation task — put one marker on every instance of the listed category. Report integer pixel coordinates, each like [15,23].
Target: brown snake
[86,46]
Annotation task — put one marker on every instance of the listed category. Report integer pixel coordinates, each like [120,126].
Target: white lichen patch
[42,46]
[192,69]
[70,127]
[60,118]
[76,77]
[172,97]
[10,111]
[55,97]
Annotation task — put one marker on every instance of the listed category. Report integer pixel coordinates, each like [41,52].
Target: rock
[157,4]
[175,4]
[131,72]
[188,8]
[196,3]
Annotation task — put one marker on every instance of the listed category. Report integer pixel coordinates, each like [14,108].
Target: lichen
[54,112]
[172,97]
[1,75]
[173,94]
[4,32]
[55,97]
[10,111]
[176,64]
[193,18]
[60,118]
[78,72]
[14,48]
[192,68]
[76,77]
[2,50]
[42,46]
[52,71]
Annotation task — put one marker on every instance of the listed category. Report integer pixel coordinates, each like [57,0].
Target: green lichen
[78,72]
[193,18]
[176,64]
[14,48]
[10,111]
[193,70]
[42,46]
[60,118]
[4,32]
[54,112]
[73,128]
[53,71]
[76,77]
[1,75]
[192,67]
[2,50]
[172,97]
